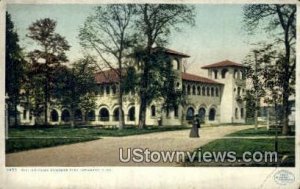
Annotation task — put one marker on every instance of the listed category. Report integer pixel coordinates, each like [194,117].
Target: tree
[13,68]
[50,52]
[281,19]
[255,67]
[108,32]
[75,87]
[154,23]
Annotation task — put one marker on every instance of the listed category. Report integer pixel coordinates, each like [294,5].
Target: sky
[218,33]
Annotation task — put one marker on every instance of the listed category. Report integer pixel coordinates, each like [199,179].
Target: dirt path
[105,152]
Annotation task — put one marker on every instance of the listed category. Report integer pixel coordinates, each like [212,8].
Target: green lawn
[286,148]
[25,138]
[261,131]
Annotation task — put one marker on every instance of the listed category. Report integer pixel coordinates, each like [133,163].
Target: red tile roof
[110,76]
[106,77]
[170,51]
[191,77]
[225,63]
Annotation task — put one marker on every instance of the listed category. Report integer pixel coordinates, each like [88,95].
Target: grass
[261,131]
[286,148]
[28,137]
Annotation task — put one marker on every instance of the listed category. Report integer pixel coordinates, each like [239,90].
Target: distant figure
[195,128]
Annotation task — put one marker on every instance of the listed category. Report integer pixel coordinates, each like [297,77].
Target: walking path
[105,152]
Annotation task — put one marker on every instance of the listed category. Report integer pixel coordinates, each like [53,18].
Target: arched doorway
[116,114]
[202,113]
[54,116]
[212,114]
[153,111]
[131,114]
[78,115]
[104,114]
[190,113]
[65,115]
[90,116]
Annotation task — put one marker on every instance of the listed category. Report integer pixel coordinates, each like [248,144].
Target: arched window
[175,64]
[235,74]
[114,89]
[242,112]
[54,116]
[133,92]
[239,91]
[224,72]
[65,115]
[167,112]
[104,114]
[90,116]
[194,90]
[116,114]
[24,114]
[216,74]
[188,89]
[78,115]
[107,89]
[212,114]
[243,74]
[184,89]
[131,114]
[208,91]
[153,111]
[203,91]
[198,90]
[202,112]
[175,111]
[236,113]
[212,91]
[101,90]
[190,113]
[217,91]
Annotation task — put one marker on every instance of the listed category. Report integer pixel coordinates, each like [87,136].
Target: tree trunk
[142,113]
[286,88]
[72,118]
[121,113]
[46,104]
[143,95]
[16,111]
[286,129]
[286,26]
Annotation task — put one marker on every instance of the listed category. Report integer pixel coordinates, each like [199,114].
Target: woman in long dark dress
[195,128]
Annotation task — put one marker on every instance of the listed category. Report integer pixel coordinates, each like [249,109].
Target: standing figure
[195,128]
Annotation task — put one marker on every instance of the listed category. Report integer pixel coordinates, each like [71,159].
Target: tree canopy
[279,56]
[45,58]
[14,67]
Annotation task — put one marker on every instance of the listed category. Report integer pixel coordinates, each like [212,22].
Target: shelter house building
[216,98]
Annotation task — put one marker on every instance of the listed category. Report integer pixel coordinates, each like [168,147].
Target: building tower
[231,74]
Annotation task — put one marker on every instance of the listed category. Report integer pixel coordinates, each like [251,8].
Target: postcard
[163,94]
